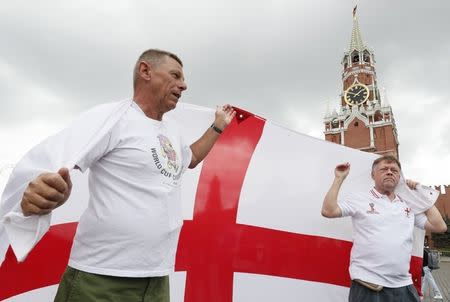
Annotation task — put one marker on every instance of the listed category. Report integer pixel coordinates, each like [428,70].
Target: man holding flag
[126,240]
[383,223]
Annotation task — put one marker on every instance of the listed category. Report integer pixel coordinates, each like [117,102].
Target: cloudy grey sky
[277,58]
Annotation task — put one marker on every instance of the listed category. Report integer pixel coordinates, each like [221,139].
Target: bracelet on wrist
[217,129]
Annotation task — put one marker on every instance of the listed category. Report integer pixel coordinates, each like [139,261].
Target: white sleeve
[100,149]
[75,145]
[420,220]
[24,232]
[420,199]
[346,206]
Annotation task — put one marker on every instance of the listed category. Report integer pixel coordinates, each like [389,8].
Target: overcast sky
[279,59]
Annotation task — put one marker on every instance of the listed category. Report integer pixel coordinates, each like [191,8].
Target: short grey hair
[386,158]
[154,57]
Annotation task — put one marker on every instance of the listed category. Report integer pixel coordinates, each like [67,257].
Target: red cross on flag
[252,226]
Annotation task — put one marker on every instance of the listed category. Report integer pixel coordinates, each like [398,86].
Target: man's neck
[148,108]
[389,193]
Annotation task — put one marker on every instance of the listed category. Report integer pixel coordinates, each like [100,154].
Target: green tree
[442,240]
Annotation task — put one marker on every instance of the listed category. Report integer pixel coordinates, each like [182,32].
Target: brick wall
[384,138]
[357,135]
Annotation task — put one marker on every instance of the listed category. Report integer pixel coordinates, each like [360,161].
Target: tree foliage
[442,240]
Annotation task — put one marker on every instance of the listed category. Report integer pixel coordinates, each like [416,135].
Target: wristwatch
[217,129]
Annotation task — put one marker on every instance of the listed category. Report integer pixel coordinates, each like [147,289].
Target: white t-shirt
[133,219]
[382,237]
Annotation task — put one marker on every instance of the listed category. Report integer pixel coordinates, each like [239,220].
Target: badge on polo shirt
[372,209]
[407,211]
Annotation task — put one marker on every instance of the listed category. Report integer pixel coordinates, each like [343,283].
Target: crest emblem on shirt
[372,209]
[168,152]
[407,211]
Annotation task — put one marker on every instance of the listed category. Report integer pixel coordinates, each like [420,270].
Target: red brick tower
[364,121]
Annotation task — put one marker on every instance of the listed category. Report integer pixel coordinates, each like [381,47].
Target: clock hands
[360,92]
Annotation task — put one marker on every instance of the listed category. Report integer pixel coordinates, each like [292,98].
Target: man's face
[386,176]
[168,84]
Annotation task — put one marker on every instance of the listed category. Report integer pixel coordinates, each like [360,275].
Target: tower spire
[362,122]
[356,41]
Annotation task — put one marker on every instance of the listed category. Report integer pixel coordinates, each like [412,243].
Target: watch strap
[217,129]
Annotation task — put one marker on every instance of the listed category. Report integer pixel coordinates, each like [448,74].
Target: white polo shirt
[382,237]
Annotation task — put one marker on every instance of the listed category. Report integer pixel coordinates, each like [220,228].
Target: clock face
[356,94]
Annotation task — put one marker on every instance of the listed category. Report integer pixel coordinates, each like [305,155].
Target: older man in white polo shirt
[383,225]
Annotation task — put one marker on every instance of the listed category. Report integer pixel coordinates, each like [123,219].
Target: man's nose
[182,86]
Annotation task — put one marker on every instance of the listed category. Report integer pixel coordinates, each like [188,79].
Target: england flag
[252,226]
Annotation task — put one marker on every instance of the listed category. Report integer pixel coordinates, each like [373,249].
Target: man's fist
[342,170]
[46,192]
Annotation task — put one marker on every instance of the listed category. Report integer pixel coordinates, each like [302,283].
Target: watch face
[356,94]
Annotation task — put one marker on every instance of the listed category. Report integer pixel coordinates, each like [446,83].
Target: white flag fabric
[252,225]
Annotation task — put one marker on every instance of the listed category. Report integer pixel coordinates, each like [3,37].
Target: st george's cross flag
[252,226]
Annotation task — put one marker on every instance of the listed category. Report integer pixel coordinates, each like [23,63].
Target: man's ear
[145,70]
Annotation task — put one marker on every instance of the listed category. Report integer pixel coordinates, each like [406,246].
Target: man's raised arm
[201,148]
[330,208]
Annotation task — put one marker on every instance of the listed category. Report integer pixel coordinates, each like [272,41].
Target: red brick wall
[357,135]
[363,78]
[384,138]
[335,138]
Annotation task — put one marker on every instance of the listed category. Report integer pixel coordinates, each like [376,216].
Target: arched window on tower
[366,56]
[355,57]
[345,61]
[335,123]
[378,116]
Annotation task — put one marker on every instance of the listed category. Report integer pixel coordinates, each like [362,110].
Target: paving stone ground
[442,278]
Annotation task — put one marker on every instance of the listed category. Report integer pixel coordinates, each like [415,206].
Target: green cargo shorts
[79,286]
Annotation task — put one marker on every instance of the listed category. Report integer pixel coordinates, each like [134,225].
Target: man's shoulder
[108,107]
[102,113]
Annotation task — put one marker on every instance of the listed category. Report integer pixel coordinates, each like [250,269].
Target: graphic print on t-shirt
[169,164]
[169,153]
